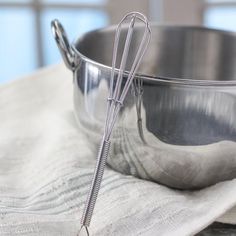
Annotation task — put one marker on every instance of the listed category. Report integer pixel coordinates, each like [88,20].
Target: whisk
[117,94]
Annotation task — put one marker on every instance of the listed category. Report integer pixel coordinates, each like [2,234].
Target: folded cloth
[46,164]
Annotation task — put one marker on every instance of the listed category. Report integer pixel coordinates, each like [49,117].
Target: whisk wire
[115,94]
[136,63]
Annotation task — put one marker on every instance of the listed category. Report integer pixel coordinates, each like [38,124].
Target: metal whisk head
[117,95]
[119,88]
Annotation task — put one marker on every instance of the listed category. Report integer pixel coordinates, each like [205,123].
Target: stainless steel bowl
[188,103]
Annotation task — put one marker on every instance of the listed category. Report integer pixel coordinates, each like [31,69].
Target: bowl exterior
[189,131]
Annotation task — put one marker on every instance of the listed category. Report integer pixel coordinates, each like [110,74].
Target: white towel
[46,164]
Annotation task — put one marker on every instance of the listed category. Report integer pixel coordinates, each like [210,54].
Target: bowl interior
[175,51]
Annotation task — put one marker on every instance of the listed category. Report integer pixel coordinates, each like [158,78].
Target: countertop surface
[219,229]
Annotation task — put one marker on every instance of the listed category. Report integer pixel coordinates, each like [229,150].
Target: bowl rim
[160,79]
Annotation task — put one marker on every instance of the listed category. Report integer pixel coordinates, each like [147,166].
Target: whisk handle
[96,183]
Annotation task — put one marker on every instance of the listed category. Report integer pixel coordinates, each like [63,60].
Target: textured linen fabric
[46,163]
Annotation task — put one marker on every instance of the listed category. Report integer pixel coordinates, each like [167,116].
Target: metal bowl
[188,134]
